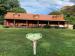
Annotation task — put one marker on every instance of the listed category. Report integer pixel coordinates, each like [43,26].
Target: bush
[74,26]
[46,26]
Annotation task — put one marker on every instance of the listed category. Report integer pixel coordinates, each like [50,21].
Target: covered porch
[33,23]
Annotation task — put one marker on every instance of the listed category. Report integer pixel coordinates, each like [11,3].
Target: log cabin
[23,20]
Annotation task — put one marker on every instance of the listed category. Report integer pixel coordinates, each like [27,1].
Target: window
[36,16]
[55,16]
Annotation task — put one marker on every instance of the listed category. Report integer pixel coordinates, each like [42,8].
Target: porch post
[14,23]
[26,23]
[38,23]
[5,23]
[48,22]
[58,23]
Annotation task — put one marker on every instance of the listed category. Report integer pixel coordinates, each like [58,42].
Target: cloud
[72,1]
[43,6]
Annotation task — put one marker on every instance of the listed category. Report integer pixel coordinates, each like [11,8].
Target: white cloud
[43,6]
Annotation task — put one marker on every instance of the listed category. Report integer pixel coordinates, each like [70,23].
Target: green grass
[1,26]
[55,42]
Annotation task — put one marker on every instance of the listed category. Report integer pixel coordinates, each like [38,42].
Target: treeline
[9,5]
[68,12]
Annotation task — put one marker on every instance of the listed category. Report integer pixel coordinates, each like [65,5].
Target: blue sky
[44,6]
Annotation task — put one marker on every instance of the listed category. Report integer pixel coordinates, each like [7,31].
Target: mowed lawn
[55,42]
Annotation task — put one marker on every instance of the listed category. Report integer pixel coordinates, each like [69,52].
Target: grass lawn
[1,26]
[55,42]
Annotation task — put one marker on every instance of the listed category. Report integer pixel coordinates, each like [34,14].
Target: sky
[44,6]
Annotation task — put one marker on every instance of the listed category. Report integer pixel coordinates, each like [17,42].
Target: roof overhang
[35,20]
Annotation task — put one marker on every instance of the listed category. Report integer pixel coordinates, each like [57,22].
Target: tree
[69,13]
[18,9]
[68,10]
[9,5]
[2,9]
[55,13]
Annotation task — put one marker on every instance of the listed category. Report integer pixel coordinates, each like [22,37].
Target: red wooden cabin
[33,20]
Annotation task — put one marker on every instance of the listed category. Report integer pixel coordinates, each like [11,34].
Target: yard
[55,42]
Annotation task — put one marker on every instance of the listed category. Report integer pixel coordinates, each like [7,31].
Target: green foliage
[2,9]
[70,19]
[69,12]
[55,42]
[18,9]
[10,5]
[55,13]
